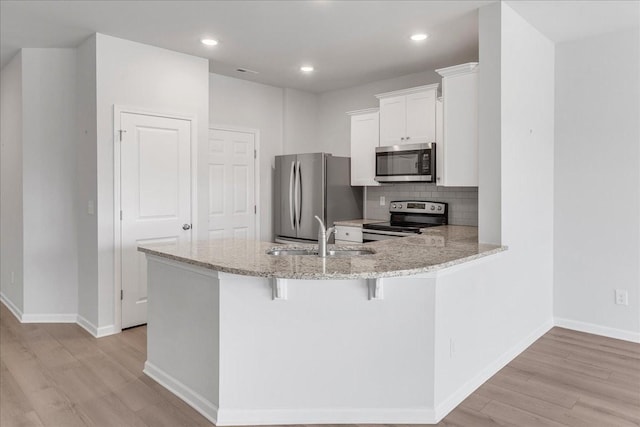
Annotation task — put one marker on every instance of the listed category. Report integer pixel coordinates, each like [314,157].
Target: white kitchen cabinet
[457,136]
[408,116]
[365,137]
[348,235]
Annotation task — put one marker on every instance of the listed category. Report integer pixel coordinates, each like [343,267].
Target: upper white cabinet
[457,139]
[365,137]
[408,116]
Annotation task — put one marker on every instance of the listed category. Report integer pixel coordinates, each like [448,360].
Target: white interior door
[155,198]
[231,162]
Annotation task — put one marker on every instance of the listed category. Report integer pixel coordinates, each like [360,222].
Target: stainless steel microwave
[406,163]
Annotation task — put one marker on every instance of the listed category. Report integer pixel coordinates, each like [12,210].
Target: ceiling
[348,42]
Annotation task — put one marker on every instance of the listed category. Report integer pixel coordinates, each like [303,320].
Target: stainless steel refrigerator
[312,184]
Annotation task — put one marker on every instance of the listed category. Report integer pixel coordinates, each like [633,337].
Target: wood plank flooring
[59,375]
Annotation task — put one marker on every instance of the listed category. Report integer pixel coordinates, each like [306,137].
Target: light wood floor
[58,375]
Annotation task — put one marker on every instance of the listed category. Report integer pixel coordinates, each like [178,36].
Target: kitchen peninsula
[251,338]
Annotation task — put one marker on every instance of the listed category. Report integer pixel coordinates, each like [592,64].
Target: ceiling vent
[245,70]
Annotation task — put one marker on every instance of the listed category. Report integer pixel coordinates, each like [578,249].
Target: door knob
[186,226]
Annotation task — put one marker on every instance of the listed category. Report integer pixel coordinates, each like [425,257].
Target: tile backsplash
[463,201]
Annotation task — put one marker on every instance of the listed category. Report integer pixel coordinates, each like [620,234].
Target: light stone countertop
[435,249]
[357,222]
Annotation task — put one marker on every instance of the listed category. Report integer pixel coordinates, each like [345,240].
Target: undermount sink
[330,253]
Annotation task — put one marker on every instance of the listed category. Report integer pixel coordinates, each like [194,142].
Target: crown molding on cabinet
[363,111]
[458,69]
[408,91]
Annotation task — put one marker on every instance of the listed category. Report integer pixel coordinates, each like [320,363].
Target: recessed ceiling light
[419,37]
[209,42]
[306,68]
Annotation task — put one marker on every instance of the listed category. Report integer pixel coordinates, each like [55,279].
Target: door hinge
[255,154]
[121,131]
[120,215]
[255,209]
[121,294]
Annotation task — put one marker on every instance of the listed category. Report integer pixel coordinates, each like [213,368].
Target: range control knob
[399,205]
[439,208]
[393,205]
[433,208]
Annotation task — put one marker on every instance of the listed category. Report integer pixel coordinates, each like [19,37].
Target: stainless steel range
[408,217]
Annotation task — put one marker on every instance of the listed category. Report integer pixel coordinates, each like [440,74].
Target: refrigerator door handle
[299,194]
[292,214]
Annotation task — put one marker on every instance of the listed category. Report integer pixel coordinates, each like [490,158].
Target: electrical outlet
[622,297]
[452,348]
[383,201]
[91,209]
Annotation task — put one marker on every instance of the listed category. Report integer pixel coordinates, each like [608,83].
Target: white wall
[38,185]
[158,80]
[489,126]
[507,298]
[597,190]
[527,163]
[301,123]
[11,226]
[49,176]
[334,124]
[86,184]
[241,103]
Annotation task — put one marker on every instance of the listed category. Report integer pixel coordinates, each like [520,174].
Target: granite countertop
[357,222]
[435,249]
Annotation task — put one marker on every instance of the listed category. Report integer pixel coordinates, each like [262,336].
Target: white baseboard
[11,306]
[104,331]
[490,370]
[233,417]
[605,331]
[87,326]
[50,318]
[238,417]
[100,332]
[195,400]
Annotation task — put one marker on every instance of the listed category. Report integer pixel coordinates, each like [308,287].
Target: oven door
[405,163]
[375,235]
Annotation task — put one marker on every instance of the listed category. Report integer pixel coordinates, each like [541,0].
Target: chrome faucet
[323,237]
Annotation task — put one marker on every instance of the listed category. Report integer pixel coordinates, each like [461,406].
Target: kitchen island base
[326,354]
[262,349]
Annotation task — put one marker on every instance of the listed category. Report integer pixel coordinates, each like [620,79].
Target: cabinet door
[365,134]
[421,117]
[393,120]
[460,155]
[348,234]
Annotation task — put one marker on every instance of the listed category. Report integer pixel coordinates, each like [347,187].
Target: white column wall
[489,125]
[597,183]
[11,225]
[49,159]
[506,299]
[86,185]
